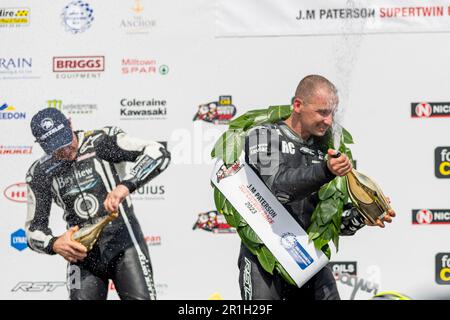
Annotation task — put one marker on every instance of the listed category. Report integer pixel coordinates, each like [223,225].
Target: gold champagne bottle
[367,196]
[88,235]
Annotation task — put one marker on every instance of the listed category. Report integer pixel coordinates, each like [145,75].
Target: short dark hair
[309,84]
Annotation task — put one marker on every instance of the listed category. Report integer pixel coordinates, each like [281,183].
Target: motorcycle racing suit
[294,170]
[80,187]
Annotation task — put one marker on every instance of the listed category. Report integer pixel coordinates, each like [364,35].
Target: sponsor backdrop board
[178,71]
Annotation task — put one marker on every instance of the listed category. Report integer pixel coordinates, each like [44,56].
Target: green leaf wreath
[326,218]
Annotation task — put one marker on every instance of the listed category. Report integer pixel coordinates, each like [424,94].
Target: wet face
[316,114]
[68,153]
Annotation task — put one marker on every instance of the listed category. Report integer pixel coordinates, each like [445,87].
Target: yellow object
[216,296]
[390,295]
[445,274]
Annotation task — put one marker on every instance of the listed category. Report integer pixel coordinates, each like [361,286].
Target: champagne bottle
[89,234]
[367,196]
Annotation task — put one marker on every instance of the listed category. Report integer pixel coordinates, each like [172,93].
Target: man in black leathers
[84,173]
[289,157]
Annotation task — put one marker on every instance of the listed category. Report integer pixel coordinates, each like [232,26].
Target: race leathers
[294,170]
[105,159]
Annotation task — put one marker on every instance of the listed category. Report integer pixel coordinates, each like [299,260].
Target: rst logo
[43,286]
[79,64]
[16,192]
[430,216]
[442,162]
[443,268]
[430,109]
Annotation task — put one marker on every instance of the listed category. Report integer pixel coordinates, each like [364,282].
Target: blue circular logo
[77,16]
[288,240]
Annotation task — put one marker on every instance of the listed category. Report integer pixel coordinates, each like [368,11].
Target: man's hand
[69,249]
[338,166]
[115,197]
[387,218]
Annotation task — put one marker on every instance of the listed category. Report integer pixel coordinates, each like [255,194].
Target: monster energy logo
[56,104]
[87,108]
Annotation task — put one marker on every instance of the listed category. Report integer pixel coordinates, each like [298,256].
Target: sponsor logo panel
[214,222]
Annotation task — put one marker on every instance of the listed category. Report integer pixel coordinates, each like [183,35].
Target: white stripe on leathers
[109,180]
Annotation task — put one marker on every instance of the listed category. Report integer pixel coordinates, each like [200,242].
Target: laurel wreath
[326,218]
